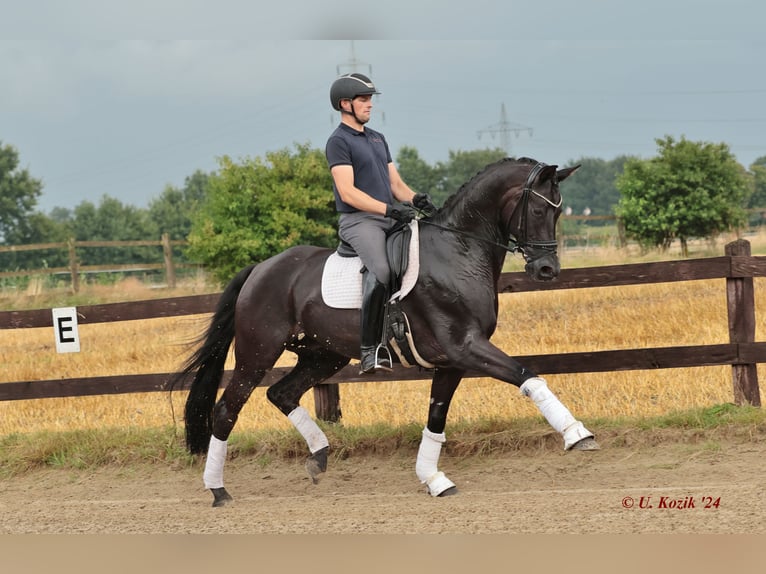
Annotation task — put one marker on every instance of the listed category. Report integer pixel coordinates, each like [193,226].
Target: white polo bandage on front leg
[427,464]
[557,415]
[216,458]
[310,431]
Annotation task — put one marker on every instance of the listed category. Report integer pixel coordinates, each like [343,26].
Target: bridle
[523,241]
[518,244]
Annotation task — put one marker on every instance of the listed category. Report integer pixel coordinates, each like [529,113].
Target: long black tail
[207,364]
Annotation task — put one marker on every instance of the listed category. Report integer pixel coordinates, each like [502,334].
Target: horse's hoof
[221,497]
[316,464]
[449,492]
[440,485]
[586,444]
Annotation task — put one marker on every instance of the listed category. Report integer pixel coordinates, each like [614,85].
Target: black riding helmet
[349,86]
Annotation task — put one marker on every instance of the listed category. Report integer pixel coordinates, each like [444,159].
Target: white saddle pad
[342,280]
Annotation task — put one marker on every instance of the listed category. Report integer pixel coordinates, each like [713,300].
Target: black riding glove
[423,202]
[402,212]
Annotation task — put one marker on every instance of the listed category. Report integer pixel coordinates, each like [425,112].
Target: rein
[509,248]
[518,244]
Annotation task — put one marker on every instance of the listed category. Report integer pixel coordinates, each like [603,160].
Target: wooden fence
[74,269]
[742,352]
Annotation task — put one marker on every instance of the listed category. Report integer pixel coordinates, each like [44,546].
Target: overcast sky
[94,115]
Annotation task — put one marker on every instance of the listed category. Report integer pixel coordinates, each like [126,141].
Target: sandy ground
[686,486]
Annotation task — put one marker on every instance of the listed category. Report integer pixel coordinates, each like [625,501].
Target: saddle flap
[342,280]
[398,252]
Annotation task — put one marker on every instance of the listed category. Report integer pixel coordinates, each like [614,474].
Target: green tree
[260,207]
[112,220]
[174,210]
[19,192]
[757,201]
[445,178]
[421,177]
[691,189]
[758,169]
[461,167]
[594,187]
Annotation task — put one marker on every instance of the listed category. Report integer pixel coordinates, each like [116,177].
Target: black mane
[450,202]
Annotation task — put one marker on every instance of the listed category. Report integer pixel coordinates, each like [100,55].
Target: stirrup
[384,363]
[379,363]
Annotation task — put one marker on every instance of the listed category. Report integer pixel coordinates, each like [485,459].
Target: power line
[505,128]
[353,64]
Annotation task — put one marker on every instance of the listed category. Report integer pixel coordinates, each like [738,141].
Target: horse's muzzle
[544,267]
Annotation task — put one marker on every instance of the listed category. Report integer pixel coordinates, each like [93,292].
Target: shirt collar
[352,131]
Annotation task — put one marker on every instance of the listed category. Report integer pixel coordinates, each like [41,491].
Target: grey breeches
[366,233]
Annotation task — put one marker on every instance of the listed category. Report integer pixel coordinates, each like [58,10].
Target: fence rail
[74,269]
[742,352]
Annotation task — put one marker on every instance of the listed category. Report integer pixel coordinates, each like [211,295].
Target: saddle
[342,286]
[397,249]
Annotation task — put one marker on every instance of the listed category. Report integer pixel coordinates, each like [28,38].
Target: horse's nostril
[546,272]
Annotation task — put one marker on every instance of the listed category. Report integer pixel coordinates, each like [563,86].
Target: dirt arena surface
[701,485]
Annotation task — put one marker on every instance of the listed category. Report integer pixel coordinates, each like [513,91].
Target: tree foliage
[758,171]
[691,189]
[258,208]
[19,192]
[444,178]
[421,177]
[112,220]
[174,210]
[461,167]
[595,186]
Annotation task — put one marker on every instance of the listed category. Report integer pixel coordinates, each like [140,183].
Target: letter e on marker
[65,330]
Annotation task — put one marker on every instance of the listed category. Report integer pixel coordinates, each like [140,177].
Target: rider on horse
[371,197]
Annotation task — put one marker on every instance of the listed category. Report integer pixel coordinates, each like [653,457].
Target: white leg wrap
[426,466]
[554,412]
[216,457]
[574,433]
[309,430]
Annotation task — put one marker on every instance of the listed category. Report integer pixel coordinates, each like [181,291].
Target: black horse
[277,305]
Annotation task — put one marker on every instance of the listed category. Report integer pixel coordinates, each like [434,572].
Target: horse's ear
[564,173]
[548,172]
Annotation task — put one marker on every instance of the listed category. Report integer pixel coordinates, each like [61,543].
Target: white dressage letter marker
[65,330]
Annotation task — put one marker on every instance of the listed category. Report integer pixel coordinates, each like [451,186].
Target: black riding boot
[374,356]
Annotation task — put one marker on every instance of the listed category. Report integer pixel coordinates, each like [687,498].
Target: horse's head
[532,224]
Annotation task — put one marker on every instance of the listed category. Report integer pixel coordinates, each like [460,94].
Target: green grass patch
[118,447]
[712,417]
[87,449]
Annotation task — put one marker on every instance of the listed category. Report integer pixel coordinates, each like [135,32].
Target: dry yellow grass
[688,313]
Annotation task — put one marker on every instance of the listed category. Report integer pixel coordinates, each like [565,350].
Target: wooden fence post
[327,402]
[74,267]
[740,303]
[167,252]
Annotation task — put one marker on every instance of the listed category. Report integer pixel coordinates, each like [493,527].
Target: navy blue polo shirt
[367,152]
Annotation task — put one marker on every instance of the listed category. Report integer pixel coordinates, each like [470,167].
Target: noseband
[522,241]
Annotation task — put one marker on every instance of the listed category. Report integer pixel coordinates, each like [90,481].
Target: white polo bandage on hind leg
[216,457]
[310,431]
[557,415]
